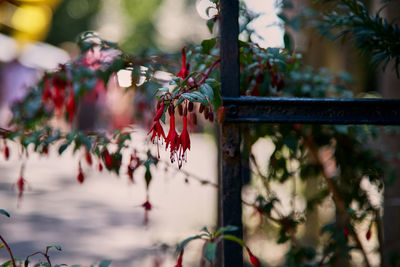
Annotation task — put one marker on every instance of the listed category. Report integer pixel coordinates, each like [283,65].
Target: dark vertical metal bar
[230,173]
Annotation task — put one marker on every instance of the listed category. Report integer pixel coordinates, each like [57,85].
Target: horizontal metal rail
[312,110]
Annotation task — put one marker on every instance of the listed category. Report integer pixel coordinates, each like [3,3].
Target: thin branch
[9,251]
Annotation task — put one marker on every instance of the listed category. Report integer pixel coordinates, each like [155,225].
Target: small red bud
[368,234]
[180,110]
[179,260]
[100,167]
[201,108]
[80,176]
[193,117]
[108,159]
[191,82]
[221,114]
[211,116]
[346,231]
[206,112]
[88,157]
[190,106]
[6,152]
[253,259]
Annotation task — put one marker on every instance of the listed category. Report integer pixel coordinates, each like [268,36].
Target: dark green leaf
[105,263]
[210,250]
[207,45]
[187,240]
[4,212]
[207,90]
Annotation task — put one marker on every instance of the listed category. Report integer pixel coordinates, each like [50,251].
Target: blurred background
[103,218]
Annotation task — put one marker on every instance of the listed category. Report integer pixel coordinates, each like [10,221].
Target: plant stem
[9,251]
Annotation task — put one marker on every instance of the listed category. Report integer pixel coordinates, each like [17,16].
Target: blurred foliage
[71,18]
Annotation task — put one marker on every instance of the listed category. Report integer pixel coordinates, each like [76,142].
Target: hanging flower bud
[211,116]
[80,176]
[368,234]
[147,208]
[253,259]
[180,110]
[201,108]
[221,114]
[206,112]
[159,112]
[100,167]
[190,106]
[107,159]
[47,91]
[6,150]
[157,132]
[88,157]
[179,260]
[346,231]
[184,142]
[193,117]
[20,185]
[185,68]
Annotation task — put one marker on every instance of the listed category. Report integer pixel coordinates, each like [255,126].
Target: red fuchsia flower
[147,208]
[172,140]
[107,159]
[71,107]
[59,85]
[368,234]
[100,167]
[159,112]
[179,260]
[21,185]
[184,140]
[6,150]
[157,132]
[185,68]
[80,176]
[253,259]
[47,94]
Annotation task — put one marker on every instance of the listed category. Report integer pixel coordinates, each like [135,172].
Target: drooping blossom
[88,157]
[172,141]
[147,208]
[47,94]
[184,141]
[6,150]
[160,111]
[253,259]
[100,167]
[134,162]
[185,68]
[107,159]
[80,178]
[59,85]
[157,132]
[179,260]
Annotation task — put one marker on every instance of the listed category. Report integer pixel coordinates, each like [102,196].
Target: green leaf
[210,24]
[228,228]
[196,97]
[105,263]
[5,213]
[2,245]
[182,245]
[207,45]
[210,250]
[207,90]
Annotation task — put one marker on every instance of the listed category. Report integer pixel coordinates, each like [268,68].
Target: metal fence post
[230,176]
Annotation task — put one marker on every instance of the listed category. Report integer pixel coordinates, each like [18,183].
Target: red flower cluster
[178,144]
[54,95]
